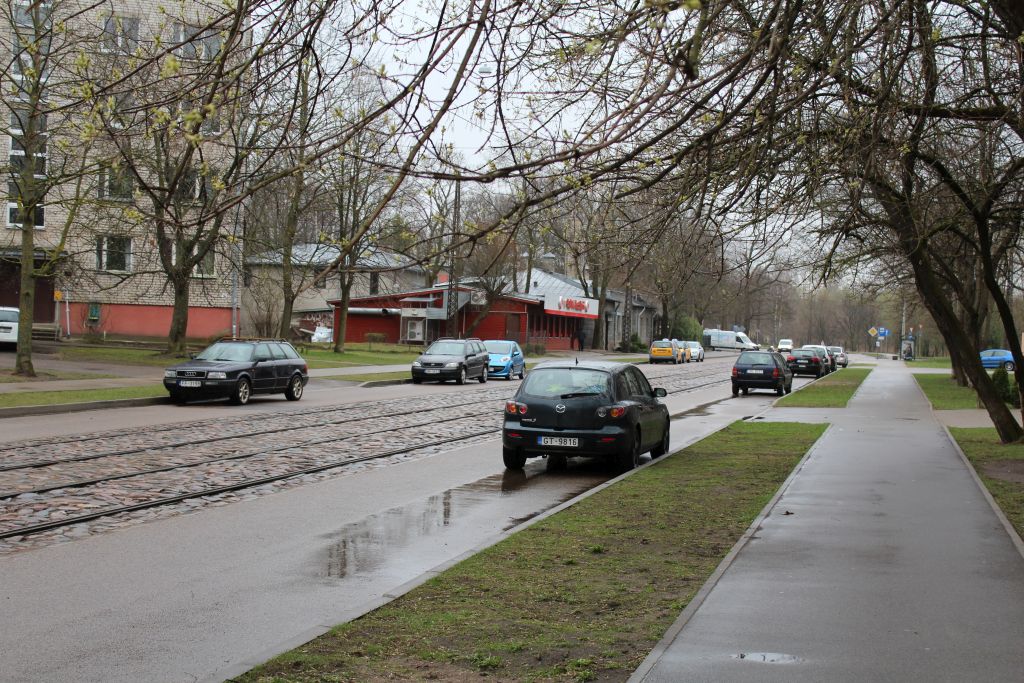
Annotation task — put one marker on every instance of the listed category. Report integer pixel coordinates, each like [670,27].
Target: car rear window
[557,382]
[755,358]
[803,353]
[661,345]
[8,316]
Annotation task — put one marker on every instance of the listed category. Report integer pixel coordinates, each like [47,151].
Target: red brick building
[420,317]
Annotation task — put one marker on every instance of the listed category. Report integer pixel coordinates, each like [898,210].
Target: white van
[724,339]
[8,326]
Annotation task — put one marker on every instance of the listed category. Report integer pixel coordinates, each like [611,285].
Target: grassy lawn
[118,355]
[580,596]
[8,376]
[945,394]
[40,398]
[831,391]
[937,362]
[1001,468]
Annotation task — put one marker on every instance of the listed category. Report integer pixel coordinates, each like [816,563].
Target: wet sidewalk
[881,560]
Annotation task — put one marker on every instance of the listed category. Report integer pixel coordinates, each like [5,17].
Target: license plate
[189,383]
[432,372]
[558,441]
[755,372]
[5,329]
[801,362]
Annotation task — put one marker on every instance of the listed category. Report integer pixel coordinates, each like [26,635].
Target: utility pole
[453,276]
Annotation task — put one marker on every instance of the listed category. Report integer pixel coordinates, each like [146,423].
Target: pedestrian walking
[581,337]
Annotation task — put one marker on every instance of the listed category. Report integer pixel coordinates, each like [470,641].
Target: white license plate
[801,362]
[189,383]
[755,372]
[5,328]
[558,441]
[432,372]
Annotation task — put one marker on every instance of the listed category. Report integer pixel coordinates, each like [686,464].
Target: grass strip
[945,394]
[580,596]
[8,376]
[45,398]
[831,391]
[999,466]
[936,362]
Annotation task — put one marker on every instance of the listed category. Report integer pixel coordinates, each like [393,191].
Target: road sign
[873,332]
[882,332]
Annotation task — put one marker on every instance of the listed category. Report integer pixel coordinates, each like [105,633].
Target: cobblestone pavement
[188,465]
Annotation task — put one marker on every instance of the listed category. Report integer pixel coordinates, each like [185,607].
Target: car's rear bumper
[608,441]
[756,383]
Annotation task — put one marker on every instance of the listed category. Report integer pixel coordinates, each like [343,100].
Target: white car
[785,345]
[8,325]
[696,351]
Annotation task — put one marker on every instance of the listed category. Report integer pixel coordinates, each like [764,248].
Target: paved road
[204,595]
[882,561]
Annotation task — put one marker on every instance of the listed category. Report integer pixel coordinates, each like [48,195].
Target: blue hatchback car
[507,359]
[997,358]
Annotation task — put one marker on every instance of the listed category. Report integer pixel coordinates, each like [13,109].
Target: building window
[38,214]
[197,44]
[114,253]
[20,120]
[115,184]
[205,268]
[120,34]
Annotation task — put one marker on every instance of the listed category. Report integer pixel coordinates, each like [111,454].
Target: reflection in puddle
[767,657]
[365,546]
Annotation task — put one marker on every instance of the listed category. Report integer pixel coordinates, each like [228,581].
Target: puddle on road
[374,541]
[767,657]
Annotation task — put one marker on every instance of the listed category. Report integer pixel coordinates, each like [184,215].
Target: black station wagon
[592,409]
[238,368]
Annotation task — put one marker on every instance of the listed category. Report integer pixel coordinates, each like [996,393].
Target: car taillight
[735,372]
[611,411]
[775,373]
[790,359]
[815,359]
[512,407]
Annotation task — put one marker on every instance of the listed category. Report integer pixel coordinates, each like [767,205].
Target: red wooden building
[420,317]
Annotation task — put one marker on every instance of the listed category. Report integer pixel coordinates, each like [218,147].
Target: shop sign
[572,306]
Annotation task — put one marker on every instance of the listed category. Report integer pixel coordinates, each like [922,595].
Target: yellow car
[664,351]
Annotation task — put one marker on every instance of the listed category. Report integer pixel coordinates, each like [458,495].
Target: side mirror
[660,393]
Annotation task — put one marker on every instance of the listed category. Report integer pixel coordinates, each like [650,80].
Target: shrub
[377,337]
[1001,381]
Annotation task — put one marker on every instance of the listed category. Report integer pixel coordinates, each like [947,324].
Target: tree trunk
[288,296]
[179,317]
[26,299]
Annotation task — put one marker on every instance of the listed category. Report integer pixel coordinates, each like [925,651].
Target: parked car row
[463,359]
[675,351]
[9,326]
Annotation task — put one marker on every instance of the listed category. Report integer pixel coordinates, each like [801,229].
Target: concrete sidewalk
[880,560]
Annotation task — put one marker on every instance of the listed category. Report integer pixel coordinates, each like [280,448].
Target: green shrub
[375,337]
[1001,381]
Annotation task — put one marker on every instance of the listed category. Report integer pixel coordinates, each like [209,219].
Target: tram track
[366,413]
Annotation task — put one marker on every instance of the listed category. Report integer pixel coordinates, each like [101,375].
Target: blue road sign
[882,332]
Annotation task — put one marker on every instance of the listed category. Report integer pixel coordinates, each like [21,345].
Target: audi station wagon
[592,409]
[238,368]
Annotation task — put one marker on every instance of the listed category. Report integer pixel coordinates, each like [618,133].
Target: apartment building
[115,137]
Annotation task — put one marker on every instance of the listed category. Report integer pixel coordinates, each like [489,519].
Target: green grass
[118,355]
[946,394]
[937,362]
[1000,467]
[8,376]
[832,391]
[41,398]
[582,595]
[325,358]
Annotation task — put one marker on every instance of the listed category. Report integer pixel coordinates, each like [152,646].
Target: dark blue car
[997,358]
[507,359]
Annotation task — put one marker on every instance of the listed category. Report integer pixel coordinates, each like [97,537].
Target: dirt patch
[1004,470]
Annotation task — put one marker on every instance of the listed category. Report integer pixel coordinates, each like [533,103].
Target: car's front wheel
[242,392]
[178,397]
[630,458]
[294,390]
[522,372]
[461,379]
[514,460]
[662,448]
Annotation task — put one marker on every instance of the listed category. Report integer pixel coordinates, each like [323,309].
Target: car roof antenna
[577,360]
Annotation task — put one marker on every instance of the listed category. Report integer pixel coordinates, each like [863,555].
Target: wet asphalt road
[205,595]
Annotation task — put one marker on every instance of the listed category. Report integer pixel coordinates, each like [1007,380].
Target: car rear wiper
[581,393]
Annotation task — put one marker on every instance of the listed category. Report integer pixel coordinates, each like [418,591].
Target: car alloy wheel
[461,379]
[483,375]
[1009,366]
[242,393]
[294,390]
[662,448]
[630,458]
